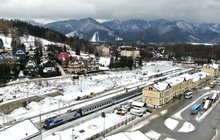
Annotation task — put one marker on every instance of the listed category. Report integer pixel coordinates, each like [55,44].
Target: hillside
[15,29]
[84,28]
[136,30]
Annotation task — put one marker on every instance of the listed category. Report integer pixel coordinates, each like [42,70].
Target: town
[104,70]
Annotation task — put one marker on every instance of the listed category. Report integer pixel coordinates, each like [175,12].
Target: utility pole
[103,116]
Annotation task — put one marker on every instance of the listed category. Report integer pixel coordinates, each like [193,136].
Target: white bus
[188,95]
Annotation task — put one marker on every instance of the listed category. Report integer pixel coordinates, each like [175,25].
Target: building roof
[215,66]
[199,75]
[186,76]
[20,131]
[161,86]
[174,81]
[136,103]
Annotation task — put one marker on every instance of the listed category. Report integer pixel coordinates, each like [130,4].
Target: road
[204,130]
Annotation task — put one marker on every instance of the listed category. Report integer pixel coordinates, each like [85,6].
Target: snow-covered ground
[89,128]
[153,135]
[73,89]
[171,123]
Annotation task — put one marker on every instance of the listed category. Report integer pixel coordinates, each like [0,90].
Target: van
[207,105]
[195,108]
[188,95]
[137,112]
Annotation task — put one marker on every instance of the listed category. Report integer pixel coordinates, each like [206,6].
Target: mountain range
[136,30]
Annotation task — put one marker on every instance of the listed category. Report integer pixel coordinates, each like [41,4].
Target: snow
[161,86]
[215,66]
[153,135]
[95,37]
[73,88]
[128,136]
[105,61]
[6,40]
[187,127]
[174,81]
[169,139]
[199,75]
[19,131]
[207,88]
[164,112]
[186,76]
[171,123]
[136,103]
[92,127]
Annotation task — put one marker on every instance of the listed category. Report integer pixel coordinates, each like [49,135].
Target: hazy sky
[51,10]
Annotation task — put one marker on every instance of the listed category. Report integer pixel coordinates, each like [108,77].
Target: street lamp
[103,116]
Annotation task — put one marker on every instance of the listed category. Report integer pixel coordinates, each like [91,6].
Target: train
[91,106]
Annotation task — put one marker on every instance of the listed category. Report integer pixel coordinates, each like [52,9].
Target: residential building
[129,51]
[103,50]
[76,67]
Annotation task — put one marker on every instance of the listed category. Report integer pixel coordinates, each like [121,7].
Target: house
[63,57]
[49,69]
[19,52]
[93,66]
[76,67]
[31,69]
[103,50]
[211,69]
[129,51]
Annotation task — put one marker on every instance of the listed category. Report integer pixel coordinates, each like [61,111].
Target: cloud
[189,10]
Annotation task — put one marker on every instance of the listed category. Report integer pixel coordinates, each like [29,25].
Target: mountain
[32,22]
[84,28]
[136,30]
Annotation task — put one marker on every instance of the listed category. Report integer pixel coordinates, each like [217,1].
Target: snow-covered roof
[128,136]
[215,66]
[186,76]
[6,41]
[161,86]
[19,131]
[136,103]
[174,81]
[199,75]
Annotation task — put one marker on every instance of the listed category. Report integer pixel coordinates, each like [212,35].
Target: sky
[53,10]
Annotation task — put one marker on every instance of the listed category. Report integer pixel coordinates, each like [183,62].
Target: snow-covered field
[89,128]
[73,89]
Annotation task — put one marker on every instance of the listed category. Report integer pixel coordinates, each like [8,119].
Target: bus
[195,108]
[188,95]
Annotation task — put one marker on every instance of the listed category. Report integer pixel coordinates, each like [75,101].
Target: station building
[160,93]
[212,69]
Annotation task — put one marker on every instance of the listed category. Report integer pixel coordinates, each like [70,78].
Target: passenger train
[91,106]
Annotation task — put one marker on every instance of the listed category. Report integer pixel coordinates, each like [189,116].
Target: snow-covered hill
[28,41]
[157,31]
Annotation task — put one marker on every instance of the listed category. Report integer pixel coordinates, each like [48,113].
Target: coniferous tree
[77,50]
